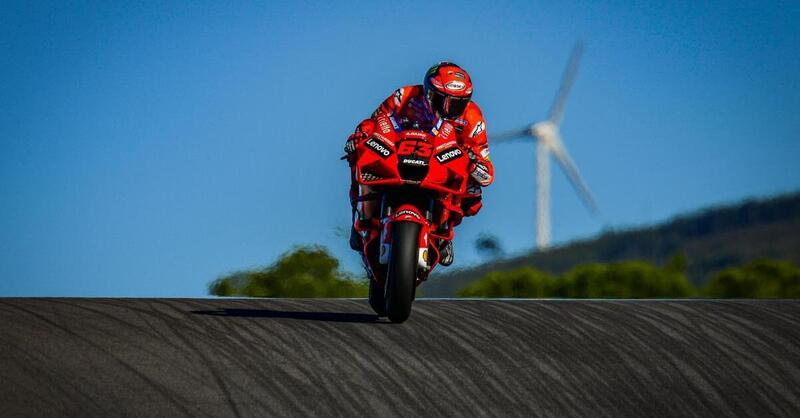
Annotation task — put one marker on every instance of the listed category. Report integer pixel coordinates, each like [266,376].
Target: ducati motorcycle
[415,180]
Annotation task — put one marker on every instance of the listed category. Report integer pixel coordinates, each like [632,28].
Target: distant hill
[711,239]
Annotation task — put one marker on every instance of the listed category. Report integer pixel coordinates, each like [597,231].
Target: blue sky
[147,149]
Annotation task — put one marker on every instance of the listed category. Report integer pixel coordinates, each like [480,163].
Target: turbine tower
[548,141]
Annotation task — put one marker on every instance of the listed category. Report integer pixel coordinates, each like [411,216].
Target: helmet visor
[447,106]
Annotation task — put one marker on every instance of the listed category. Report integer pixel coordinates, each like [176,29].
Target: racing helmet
[448,89]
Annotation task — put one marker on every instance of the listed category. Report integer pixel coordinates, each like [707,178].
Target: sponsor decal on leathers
[449,155]
[382,150]
[394,123]
[446,131]
[383,123]
[398,97]
[479,127]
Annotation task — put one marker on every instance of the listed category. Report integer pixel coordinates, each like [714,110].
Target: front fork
[406,212]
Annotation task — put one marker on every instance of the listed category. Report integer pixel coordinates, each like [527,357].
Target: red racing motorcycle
[416,180]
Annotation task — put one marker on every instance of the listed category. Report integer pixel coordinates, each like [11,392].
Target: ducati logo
[414,161]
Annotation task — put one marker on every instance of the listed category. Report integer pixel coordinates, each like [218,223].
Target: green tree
[524,282]
[627,279]
[759,279]
[304,272]
[678,263]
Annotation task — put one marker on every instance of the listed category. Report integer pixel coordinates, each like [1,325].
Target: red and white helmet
[448,89]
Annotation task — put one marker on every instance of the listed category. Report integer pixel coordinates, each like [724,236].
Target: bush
[630,279]
[521,283]
[759,279]
[627,279]
[305,272]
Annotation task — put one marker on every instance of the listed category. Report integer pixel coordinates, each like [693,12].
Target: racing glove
[363,131]
[478,170]
[350,144]
[480,173]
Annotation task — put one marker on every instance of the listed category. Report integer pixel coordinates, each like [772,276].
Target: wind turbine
[548,141]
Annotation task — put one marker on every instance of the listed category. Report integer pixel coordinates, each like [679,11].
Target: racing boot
[446,253]
[355,240]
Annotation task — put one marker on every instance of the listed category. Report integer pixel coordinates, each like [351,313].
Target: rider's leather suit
[408,108]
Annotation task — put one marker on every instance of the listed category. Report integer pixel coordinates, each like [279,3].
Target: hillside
[711,239]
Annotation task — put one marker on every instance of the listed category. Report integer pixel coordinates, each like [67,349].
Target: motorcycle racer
[444,97]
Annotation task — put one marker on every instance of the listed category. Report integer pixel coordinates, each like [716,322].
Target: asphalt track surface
[248,357]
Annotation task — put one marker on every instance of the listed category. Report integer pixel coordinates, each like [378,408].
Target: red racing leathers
[408,109]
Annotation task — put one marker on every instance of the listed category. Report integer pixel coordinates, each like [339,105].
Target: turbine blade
[508,136]
[566,163]
[557,110]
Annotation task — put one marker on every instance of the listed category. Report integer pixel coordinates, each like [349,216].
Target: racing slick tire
[402,272]
[377,297]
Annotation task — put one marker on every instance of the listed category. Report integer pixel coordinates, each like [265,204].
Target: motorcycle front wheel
[377,297]
[402,272]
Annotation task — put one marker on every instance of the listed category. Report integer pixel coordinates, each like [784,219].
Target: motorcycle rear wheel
[402,272]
